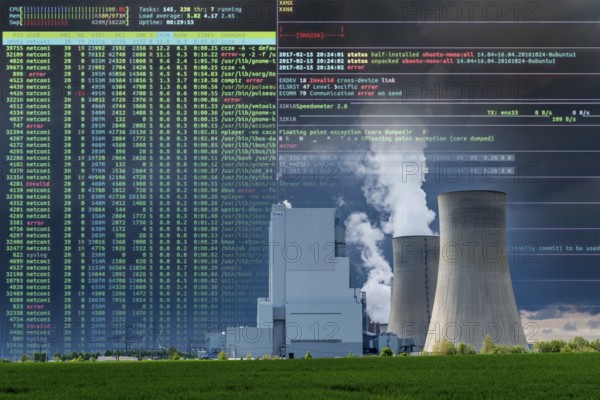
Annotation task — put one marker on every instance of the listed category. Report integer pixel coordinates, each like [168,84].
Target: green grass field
[510,376]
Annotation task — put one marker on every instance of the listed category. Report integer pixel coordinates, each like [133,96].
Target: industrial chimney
[474,295]
[413,287]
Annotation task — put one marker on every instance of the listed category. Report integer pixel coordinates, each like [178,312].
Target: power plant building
[311,306]
[455,287]
[474,295]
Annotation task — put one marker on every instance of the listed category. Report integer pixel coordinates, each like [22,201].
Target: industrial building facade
[311,306]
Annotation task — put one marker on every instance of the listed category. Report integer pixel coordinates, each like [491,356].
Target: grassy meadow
[502,376]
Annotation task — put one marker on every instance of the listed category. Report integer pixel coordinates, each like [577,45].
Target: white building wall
[215,342]
[323,350]
[323,314]
[331,283]
[313,271]
[264,313]
[276,257]
[324,321]
[249,340]
[311,306]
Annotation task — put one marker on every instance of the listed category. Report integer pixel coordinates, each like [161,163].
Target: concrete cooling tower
[474,295]
[413,288]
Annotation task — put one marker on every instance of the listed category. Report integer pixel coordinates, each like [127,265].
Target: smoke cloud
[393,177]
[360,232]
[393,186]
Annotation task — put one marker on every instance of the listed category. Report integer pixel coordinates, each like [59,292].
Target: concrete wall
[398,345]
[324,350]
[311,306]
[277,256]
[474,295]
[415,277]
[312,270]
[249,340]
[264,313]
[323,314]
[215,342]
[341,321]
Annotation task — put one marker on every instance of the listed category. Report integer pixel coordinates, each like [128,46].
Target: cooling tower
[413,287]
[474,295]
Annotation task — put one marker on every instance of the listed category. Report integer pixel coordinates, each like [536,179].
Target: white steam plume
[360,232]
[393,178]
[287,204]
[393,181]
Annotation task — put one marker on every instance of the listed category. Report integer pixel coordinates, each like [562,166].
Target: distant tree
[308,356]
[465,349]
[266,357]
[595,345]
[351,355]
[36,356]
[108,353]
[25,358]
[171,351]
[502,349]
[386,352]
[222,356]
[444,347]
[552,346]
[175,357]
[248,356]
[516,349]
[566,349]
[579,344]
[557,345]
[56,356]
[488,345]
[451,349]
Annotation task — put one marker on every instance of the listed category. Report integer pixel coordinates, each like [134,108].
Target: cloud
[569,326]
[545,313]
[593,324]
[564,322]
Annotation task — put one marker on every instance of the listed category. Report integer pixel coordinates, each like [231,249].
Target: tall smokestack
[474,295]
[414,285]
